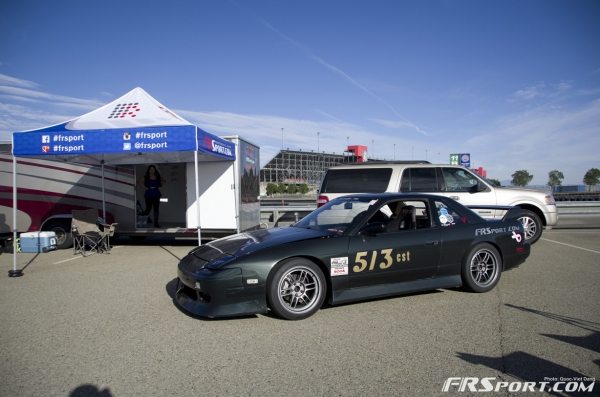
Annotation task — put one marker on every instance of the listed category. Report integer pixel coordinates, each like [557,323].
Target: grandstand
[297,166]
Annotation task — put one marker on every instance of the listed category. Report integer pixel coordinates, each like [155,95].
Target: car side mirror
[480,187]
[372,229]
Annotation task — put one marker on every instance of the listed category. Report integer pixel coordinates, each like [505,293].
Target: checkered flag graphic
[123,110]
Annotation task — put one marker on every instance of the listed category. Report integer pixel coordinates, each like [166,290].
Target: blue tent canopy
[133,129]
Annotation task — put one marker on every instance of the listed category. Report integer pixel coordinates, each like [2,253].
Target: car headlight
[220,262]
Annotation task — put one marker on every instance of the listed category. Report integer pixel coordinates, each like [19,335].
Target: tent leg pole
[103,198]
[15,272]
[197,197]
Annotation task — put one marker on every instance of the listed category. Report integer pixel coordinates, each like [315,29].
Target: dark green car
[353,248]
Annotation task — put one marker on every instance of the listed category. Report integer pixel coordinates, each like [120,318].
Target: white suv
[453,181]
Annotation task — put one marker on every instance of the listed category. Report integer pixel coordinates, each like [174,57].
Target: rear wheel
[481,268]
[297,289]
[62,229]
[532,225]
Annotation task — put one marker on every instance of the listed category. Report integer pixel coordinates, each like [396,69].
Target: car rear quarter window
[448,215]
[359,180]
[419,180]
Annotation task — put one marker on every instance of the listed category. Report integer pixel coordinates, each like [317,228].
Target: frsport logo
[549,385]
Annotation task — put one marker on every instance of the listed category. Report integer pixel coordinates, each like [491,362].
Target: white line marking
[572,246]
[78,257]
[67,260]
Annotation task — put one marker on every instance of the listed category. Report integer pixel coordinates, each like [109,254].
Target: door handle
[455,198]
[432,243]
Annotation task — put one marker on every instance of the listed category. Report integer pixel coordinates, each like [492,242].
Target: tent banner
[209,143]
[134,140]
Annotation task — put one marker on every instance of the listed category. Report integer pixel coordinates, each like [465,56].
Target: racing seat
[89,236]
[404,219]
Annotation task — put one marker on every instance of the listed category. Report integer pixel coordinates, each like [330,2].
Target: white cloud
[16,82]
[540,140]
[542,90]
[28,94]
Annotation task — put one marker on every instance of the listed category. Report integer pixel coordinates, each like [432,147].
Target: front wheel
[297,289]
[481,268]
[532,224]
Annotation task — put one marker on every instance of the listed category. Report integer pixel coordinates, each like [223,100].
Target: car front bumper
[220,293]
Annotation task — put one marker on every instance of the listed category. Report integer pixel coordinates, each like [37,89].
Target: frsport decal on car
[485,231]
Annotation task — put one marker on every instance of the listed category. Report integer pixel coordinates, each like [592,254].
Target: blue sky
[514,83]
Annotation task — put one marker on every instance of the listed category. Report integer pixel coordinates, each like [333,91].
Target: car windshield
[336,216]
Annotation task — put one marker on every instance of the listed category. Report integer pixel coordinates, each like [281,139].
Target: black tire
[64,237]
[297,289]
[533,226]
[481,268]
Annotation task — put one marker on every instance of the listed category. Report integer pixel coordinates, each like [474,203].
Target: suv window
[419,180]
[458,180]
[363,180]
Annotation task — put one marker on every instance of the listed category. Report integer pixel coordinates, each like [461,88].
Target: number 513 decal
[383,258]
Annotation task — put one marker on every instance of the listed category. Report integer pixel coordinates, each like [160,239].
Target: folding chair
[108,230]
[88,237]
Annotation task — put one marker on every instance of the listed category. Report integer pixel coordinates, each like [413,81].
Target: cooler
[35,242]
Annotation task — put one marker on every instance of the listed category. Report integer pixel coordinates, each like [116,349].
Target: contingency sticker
[445,218]
[339,266]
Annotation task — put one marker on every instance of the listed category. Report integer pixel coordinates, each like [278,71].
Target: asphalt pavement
[106,325]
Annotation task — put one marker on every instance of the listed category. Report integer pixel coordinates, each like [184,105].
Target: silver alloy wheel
[484,268]
[529,226]
[299,289]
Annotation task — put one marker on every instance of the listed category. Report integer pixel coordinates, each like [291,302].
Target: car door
[393,256]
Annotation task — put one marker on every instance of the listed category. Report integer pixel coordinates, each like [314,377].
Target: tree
[292,188]
[281,188]
[303,188]
[495,182]
[555,178]
[521,178]
[591,178]
[271,188]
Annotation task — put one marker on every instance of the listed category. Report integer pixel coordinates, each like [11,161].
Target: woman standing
[153,182]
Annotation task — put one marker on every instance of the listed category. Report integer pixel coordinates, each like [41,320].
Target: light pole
[318,142]
[372,151]
[282,138]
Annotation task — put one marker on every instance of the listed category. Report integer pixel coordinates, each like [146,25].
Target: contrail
[339,72]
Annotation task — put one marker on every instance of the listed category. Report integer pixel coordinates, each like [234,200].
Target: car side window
[458,180]
[448,216]
[419,180]
[404,215]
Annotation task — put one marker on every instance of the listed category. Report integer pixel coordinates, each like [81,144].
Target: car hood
[249,242]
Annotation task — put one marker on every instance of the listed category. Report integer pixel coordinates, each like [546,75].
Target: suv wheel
[532,225]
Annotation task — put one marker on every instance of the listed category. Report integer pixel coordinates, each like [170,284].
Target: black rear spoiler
[511,212]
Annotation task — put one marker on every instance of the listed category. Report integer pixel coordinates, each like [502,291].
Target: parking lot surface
[106,325]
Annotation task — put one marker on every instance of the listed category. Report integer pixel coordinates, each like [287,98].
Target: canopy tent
[133,129]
